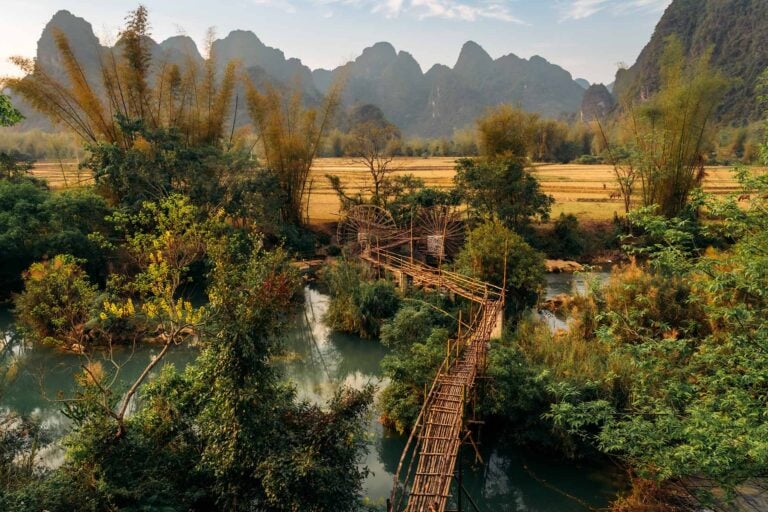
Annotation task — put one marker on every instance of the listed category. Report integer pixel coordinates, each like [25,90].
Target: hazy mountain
[735,30]
[583,83]
[443,99]
[83,42]
[597,103]
[431,104]
[245,47]
[178,49]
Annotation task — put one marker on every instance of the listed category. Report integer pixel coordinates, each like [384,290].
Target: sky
[589,38]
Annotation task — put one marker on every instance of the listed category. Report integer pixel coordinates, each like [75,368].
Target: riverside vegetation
[662,369]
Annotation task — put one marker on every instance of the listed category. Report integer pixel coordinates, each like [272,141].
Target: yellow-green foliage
[290,135]
[57,301]
[188,98]
[573,354]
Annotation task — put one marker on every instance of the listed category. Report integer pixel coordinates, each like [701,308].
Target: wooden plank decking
[433,446]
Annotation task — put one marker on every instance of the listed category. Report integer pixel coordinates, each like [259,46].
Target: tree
[160,163]
[507,132]
[763,98]
[36,223]
[163,239]
[668,134]
[358,305]
[12,165]
[8,114]
[496,254]
[416,337]
[57,302]
[502,189]
[374,143]
[290,135]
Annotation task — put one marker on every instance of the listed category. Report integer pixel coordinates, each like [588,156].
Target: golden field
[577,189]
[582,190]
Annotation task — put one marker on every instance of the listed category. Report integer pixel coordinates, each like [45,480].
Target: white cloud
[283,5]
[580,9]
[447,9]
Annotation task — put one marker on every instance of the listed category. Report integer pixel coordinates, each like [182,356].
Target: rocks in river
[555,303]
[558,266]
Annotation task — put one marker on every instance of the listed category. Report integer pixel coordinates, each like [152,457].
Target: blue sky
[586,37]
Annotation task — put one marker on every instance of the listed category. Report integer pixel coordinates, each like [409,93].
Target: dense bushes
[225,434]
[358,305]
[662,369]
[416,337]
[36,223]
[498,255]
[502,189]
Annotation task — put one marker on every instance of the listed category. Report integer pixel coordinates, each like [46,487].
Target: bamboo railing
[423,477]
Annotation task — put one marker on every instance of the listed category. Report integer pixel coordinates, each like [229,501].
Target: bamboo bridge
[422,481]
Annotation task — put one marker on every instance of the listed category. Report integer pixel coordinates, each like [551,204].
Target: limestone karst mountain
[430,104]
[736,31]
[443,99]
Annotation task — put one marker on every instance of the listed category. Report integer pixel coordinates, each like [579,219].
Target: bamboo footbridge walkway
[433,446]
[422,481]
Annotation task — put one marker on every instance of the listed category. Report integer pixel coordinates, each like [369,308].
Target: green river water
[318,361]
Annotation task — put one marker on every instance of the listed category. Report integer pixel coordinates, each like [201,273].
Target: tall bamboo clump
[187,97]
[668,135]
[290,134]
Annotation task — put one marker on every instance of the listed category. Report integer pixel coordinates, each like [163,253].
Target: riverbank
[322,360]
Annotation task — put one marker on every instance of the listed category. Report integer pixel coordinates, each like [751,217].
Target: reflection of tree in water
[8,361]
[389,448]
[357,356]
[319,360]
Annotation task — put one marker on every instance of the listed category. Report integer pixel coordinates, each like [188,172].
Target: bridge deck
[437,434]
[443,424]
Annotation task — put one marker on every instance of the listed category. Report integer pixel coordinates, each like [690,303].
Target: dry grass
[582,190]
[60,175]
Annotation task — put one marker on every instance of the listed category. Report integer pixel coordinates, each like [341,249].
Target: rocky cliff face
[736,31]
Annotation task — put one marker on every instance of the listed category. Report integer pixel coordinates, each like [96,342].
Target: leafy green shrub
[502,189]
[57,301]
[488,248]
[589,160]
[568,241]
[357,305]
[416,337]
[36,223]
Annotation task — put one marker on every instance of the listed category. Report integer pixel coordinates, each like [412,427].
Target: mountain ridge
[432,103]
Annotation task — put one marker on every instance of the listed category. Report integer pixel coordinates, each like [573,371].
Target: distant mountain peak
[244,35]
[381,52]
[83,42]
[472,58]
[181,44]
[70,24]
[582,82]
[431,104]
[737,34]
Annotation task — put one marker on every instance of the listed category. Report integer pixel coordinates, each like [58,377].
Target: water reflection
[318,361]
[567,283]
[570,283]
[38,378]
[511,480]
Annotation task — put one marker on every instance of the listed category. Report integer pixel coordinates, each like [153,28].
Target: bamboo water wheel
[367,226]
[439,231]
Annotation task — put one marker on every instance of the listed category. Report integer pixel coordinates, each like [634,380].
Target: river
[319,360]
